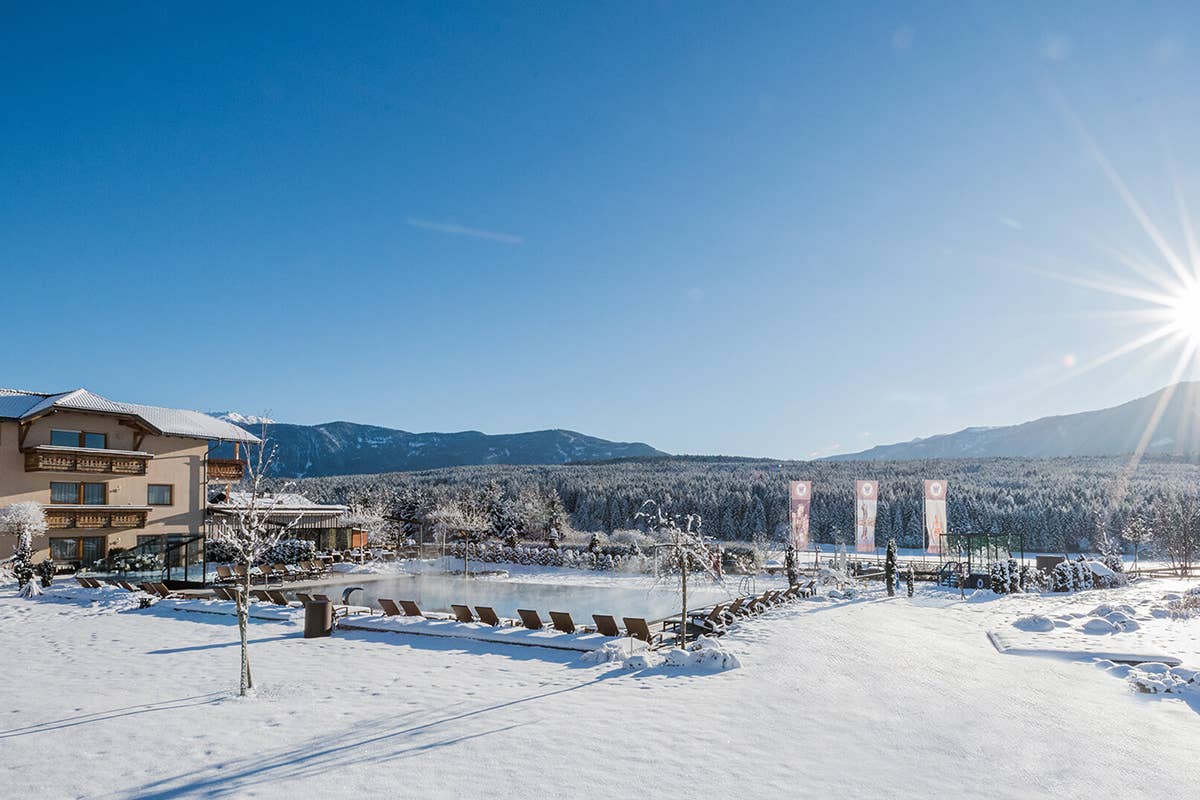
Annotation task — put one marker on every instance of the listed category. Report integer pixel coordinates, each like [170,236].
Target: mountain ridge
[351,448]
[1114,431]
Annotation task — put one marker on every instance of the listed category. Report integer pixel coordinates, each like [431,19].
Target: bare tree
[1177,528]
[461,517]
[249,526]
[687,548]
[1137,532]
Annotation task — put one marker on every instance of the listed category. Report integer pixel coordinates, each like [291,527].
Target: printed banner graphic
[799,498]
[935,515]
[866,501]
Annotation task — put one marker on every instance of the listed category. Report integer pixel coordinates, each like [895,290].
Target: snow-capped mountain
[1120,430]
[348,448]
[242,419]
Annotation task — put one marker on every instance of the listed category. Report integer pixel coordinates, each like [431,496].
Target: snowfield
[889,697]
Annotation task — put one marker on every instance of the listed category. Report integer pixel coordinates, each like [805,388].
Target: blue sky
[758,230]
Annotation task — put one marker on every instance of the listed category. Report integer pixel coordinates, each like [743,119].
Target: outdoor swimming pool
[435,592]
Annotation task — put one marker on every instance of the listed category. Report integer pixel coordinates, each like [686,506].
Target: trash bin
[318,619]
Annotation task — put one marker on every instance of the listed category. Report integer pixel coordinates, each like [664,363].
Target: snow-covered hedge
[1006,576]
[219,552]
[740,559]
[1071,576]
[289,551]
[122,560]
[574,557]
[286,551]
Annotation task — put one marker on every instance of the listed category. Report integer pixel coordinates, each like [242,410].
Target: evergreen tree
[909,579]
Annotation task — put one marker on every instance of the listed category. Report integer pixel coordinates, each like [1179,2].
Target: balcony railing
[226,470]
[51,458]
[95,517]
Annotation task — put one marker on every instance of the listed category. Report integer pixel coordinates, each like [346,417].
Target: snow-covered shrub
[638,661]
[1006,576]
[45,571]
[217,551]
[119,559]
[1185,606]
[1157,678]
[609,652]
[1033,579]
[1036,623]
[288,551]
[678,657]
[1115,563]
[708,653]
[1071,576]
[740,559]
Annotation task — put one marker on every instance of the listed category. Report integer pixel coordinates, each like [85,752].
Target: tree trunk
[243,624]
[683,619]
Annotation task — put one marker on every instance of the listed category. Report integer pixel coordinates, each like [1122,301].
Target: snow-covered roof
[21,405]
[283,504]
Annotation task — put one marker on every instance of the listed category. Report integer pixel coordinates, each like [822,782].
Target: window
[65,438]
[91,494]
[64,492]
[86,550]
[62,438]
[64,549]
[160,494]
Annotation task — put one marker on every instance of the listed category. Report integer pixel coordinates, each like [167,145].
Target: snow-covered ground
[886,697]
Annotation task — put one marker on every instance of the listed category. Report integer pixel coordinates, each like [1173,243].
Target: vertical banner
[799,498]
[866,501]
[935,515]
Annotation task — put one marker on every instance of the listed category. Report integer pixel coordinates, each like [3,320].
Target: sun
[1185,312]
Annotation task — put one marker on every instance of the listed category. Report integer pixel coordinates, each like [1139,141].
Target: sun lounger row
[236,573]
[94,583]
[560,621]
[717,618]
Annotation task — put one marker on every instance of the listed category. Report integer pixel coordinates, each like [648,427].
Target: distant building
[326,526]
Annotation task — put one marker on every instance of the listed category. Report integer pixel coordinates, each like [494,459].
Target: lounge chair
[260,594]
[225,575]
[390,609]
[809,589]
[278,598]
[561,620]
[737,608]
[530,619]
[462,613]
[84,582]
[127,586]
[410,609]
[606,625]
[162,591]
[147,587]
[487,615]
[304,598]
[220,592]
[638,629]
[758,604]
[715,621]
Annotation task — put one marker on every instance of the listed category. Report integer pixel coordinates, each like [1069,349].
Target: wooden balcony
[50,458]
[226,470]
[95,517]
